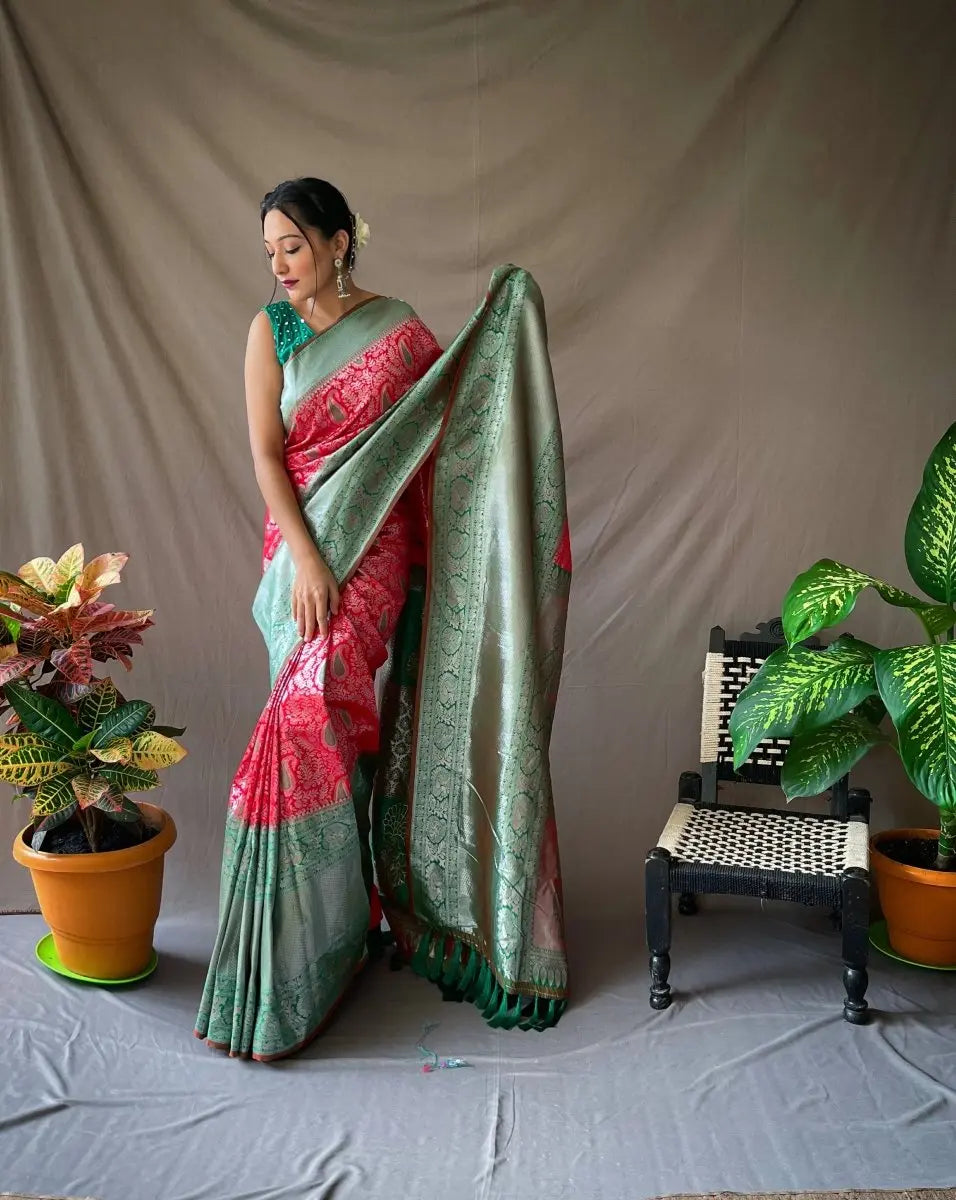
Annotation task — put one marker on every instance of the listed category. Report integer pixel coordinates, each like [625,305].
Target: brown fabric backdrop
[741,214]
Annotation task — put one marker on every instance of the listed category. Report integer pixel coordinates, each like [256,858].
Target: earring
[340,280]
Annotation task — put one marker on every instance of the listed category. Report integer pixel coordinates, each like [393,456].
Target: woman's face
[291,255]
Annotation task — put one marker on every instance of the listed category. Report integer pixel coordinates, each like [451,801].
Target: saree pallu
[457,771]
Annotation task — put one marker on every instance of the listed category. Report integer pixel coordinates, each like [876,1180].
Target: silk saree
[433,485]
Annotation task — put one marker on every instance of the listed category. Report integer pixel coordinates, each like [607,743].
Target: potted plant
[833,704]
[74,747]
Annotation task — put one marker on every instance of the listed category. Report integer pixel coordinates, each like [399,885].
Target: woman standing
[417,498]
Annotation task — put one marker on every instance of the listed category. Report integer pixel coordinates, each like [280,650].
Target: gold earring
[340,280]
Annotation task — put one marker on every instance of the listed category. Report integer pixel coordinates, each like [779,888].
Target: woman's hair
[315,204]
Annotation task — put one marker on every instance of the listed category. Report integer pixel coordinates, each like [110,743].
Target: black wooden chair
[708,848]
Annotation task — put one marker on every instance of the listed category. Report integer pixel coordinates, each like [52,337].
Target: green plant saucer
[880,939]
[46,953]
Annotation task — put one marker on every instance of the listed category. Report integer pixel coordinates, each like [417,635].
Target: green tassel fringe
[464,974]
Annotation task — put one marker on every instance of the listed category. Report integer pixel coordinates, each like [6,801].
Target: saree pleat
[462,821]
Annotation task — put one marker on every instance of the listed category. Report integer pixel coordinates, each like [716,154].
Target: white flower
[362,233]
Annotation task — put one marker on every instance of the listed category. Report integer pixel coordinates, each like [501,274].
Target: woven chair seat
[758,840]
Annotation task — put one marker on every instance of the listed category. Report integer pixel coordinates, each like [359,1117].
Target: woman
[415,498]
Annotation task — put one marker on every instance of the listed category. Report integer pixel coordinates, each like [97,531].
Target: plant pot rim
[101,860]
[890,866]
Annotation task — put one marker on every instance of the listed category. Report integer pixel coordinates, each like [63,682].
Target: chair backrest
[728,669]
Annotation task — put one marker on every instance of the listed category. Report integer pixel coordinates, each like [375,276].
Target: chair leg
[856,923]
[657,869]
[687,904]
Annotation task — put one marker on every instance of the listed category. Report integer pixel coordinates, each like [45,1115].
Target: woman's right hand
[315,595]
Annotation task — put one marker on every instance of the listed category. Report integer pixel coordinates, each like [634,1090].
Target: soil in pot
[114,835]
[911,852]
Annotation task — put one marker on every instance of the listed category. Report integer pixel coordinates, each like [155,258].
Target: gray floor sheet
[752,1082]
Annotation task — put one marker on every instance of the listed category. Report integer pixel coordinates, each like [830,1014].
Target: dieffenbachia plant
[832,703]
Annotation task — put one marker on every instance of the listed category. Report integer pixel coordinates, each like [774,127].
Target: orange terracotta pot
[919,905]
[101,908]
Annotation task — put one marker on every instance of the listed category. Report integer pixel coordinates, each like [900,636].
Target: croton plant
[69,741]
[833,704]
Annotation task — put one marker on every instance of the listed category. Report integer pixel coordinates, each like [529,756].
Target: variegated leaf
[66,692]
[43,715]
[102,618]
[15,591]
[124,721]
[817,759]
[826,594]
[40,573]
[89,790]
[17,666]
[17,741]
[115,643]
[100,572]
[119,750]
[120,808]
[31,766]
[130,779]
[33,642]
[54,797]
[918,686]
[117,806]
[798,690]
[70,564]
[75,662]
[152,750]
[7,652]
[930,541]
[101,700]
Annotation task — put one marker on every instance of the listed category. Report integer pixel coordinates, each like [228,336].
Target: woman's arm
[315,591]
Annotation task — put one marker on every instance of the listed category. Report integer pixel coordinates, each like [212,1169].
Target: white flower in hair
[362,233]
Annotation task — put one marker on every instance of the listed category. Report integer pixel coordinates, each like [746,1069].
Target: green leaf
[918,686]
[827,593]
[799,690]
[129,779]
[12,627]
[43,715]
[50,822]
[168,730]
[54,797]
[816,760]
[102,699]
[83,744]
[123,722]
[930,541]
